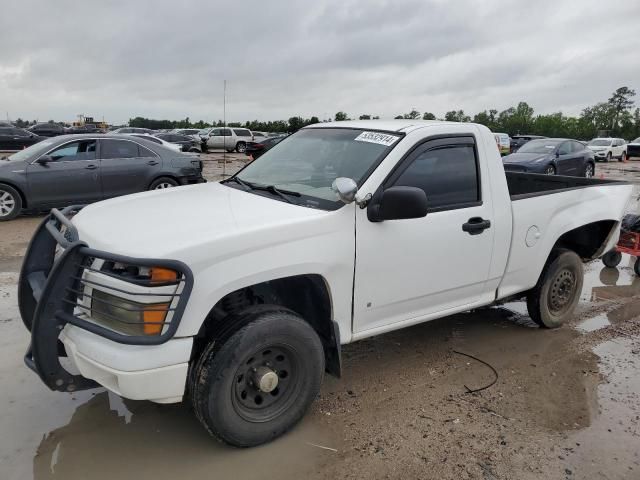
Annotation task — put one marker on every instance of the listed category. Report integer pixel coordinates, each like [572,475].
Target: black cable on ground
[469,390]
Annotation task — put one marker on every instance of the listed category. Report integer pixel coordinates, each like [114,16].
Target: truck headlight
[126,316]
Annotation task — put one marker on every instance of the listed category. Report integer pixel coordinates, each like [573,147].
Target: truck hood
[524,157]
[171,223]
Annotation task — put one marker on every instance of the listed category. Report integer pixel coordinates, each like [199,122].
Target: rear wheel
[10,203]
[257,383]
[552,301]
[241,147]
[612,258]
[623,157]
[588,170]
[608,159]
[162,183]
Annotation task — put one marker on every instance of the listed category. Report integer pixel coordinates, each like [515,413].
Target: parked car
[47,129]
[344,231]
[87,128]
[186,143]
[257,148]
[633,148]
[171,146]
[257,136]
[605,149]
[552,156]
[191,132]
[133,130]
[229,139]
[14,138]
[78,169]
[518,140]
[504,143]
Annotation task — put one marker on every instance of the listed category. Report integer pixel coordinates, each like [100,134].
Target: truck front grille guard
[51,293]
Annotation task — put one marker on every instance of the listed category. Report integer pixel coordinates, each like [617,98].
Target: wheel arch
[308,295]
[588,241]
[158,177]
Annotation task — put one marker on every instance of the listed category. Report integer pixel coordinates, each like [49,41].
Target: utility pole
[224,121]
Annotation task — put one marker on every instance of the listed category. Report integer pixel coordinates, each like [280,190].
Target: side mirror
[44,159]
[346,188]
[399,203]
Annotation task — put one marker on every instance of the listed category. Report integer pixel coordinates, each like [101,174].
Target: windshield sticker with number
[376,137]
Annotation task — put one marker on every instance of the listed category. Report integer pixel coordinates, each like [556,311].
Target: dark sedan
[552,156]
[14,138]
[187,143]
[47,129]
[633,148]
[77,169]
[256,149]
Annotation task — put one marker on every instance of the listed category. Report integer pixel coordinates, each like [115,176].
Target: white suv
[228,138]
[608,148]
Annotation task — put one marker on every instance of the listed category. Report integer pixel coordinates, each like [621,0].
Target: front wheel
[623,157]
[260,381]
[162,183]
[10,203]
[550,170]
[588,170]
[241,147]
[608,159]
[552,301]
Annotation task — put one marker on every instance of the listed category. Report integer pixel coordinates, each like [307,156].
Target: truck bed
[525,185]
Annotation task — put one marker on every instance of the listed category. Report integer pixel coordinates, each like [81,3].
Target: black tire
[552,301]
[608,159]
[10,203]
[163,182]
[224,391]
[550,170]
[623,157]
[589,170]
[241,147]
[636,266]
[612,258]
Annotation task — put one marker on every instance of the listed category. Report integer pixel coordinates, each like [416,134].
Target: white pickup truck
[238,295]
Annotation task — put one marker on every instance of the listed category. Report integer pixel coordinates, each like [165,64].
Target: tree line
[615,117]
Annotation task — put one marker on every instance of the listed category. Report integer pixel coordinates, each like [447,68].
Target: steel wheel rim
[561,292]
[241,148]
[255,405]
[7,203]
[550,170]
[163,185]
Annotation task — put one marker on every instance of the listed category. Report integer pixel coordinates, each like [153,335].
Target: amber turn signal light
[163,275]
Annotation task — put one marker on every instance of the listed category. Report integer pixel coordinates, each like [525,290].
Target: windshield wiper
[266,188]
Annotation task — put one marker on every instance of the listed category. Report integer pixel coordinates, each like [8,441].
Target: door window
[216,132]
[118,149]
[447,174]
[576,147]
[564,148]
[81,150]
[226,132]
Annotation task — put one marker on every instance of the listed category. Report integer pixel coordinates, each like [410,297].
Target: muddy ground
[566,403]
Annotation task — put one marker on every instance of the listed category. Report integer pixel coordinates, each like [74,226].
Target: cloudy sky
[168,59]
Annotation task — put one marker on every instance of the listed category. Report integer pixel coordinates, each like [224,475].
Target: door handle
[476,225]
[152,162]
[91,167]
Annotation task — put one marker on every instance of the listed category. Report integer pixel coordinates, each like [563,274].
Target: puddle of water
[604,284]
[594,323]
[609,447]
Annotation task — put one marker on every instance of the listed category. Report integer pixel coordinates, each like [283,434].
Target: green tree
[364,117]
[412,115]
[620,101]
[341,116]
[456,116]
[428,116]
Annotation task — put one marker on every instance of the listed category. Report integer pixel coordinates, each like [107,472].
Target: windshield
[637,140]
[33,152]
[310,160]
[600,143]
[539,146]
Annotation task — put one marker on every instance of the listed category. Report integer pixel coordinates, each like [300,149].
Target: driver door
[71,177]
[410,269]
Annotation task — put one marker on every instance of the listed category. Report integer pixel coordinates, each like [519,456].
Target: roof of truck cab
[386,125]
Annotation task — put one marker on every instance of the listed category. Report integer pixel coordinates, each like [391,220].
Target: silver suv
[228,138]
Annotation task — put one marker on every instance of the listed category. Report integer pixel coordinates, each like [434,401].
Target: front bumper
[52,295]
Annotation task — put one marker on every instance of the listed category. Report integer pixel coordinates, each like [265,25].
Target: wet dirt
[565,403]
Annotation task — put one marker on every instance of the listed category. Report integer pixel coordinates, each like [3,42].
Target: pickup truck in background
[340,232]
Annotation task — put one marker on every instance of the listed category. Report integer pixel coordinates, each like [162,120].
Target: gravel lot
[566,403]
